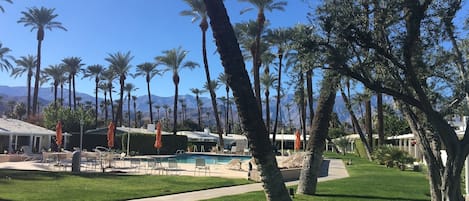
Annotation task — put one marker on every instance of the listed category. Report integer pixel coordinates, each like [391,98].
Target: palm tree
[109,76]
[213,84]
[173,60]
[268,81]
[134,98]
[261,6]
[104,88]
[129,87]
[199,12]
[197,92]
[4,58]
[279,37]
[40,19]
[55,72]
[166,107]
[246,102]
[73,66]
[148,70]
[94,71]
[224,80]
[157,107]
[1,7]
[25,64]
[120,65]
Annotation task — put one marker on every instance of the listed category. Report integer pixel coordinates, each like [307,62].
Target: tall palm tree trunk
[257,58]
[149,99]
[70,92]
[213,96]
[61,93]
[96,102]
[135,114]
[357,126]
[175,112]
[227,108]
[119,114]
[105,107]
[40,37]
[30,75]
[302,107]
[128,108]
[74,94]
[199,120]
[113,117]
[379,106]
[309,91]
[368,122]
[233,63]
[316,143]
[277,104]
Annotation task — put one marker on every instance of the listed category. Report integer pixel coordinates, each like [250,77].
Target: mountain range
[46,95]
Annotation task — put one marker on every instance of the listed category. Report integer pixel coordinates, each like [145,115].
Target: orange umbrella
[110,135]
[297,140]
[158,144]
[58,134]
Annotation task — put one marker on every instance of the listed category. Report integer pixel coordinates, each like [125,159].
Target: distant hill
[46,95]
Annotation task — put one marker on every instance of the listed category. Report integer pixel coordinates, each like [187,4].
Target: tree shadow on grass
[364,197]
[34,175]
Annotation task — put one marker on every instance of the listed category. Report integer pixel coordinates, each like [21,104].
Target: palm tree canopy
[173,60]
[73,65]
[213,84]
[198,10]
[147,69]
[120,63]
[23,65]
[129,87]
[1,7]
[197,91]
[268,80]
[40,18]
[93,71]
[4,58]
[262,5]
[54,72]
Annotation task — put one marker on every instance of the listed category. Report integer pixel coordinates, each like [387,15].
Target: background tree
[5,58]
[120,65]
[148,70]
[25,64]
[109,76]
[128,88]
[73,66]
[174,60]
[94,71]
[246,103]
[54,72]
[261,6]
[134,98]
[199,12]
[20,110]
[197,92]
[1,7]
[40,19]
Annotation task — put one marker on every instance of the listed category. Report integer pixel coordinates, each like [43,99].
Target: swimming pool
[209,158]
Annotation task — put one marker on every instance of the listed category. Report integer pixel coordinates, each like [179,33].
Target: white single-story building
[15,133]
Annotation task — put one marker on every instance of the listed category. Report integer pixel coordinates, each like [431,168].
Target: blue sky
[144,27]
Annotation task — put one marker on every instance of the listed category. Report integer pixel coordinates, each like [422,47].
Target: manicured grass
[37,185]
[367,181]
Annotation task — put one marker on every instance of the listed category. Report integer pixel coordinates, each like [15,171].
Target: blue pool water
[209,158]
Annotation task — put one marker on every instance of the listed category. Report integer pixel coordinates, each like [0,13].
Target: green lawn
[37,185]
[367,181]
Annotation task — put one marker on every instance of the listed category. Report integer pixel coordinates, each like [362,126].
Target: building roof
[18,127]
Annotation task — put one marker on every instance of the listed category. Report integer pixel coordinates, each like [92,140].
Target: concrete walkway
[336,171]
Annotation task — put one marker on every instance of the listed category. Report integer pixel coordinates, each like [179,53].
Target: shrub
[392,156]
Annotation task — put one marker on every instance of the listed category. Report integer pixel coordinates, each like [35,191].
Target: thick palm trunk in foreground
[313,159]
[249,112]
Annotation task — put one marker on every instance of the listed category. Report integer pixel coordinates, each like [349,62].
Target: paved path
[336,171]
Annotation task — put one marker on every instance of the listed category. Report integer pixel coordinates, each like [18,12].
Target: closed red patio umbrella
[58,134]
[297,140]
[158,144]
[110,135]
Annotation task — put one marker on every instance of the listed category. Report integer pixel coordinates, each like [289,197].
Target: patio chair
[172,166]
[135,163]
[155,164]
[201,165]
